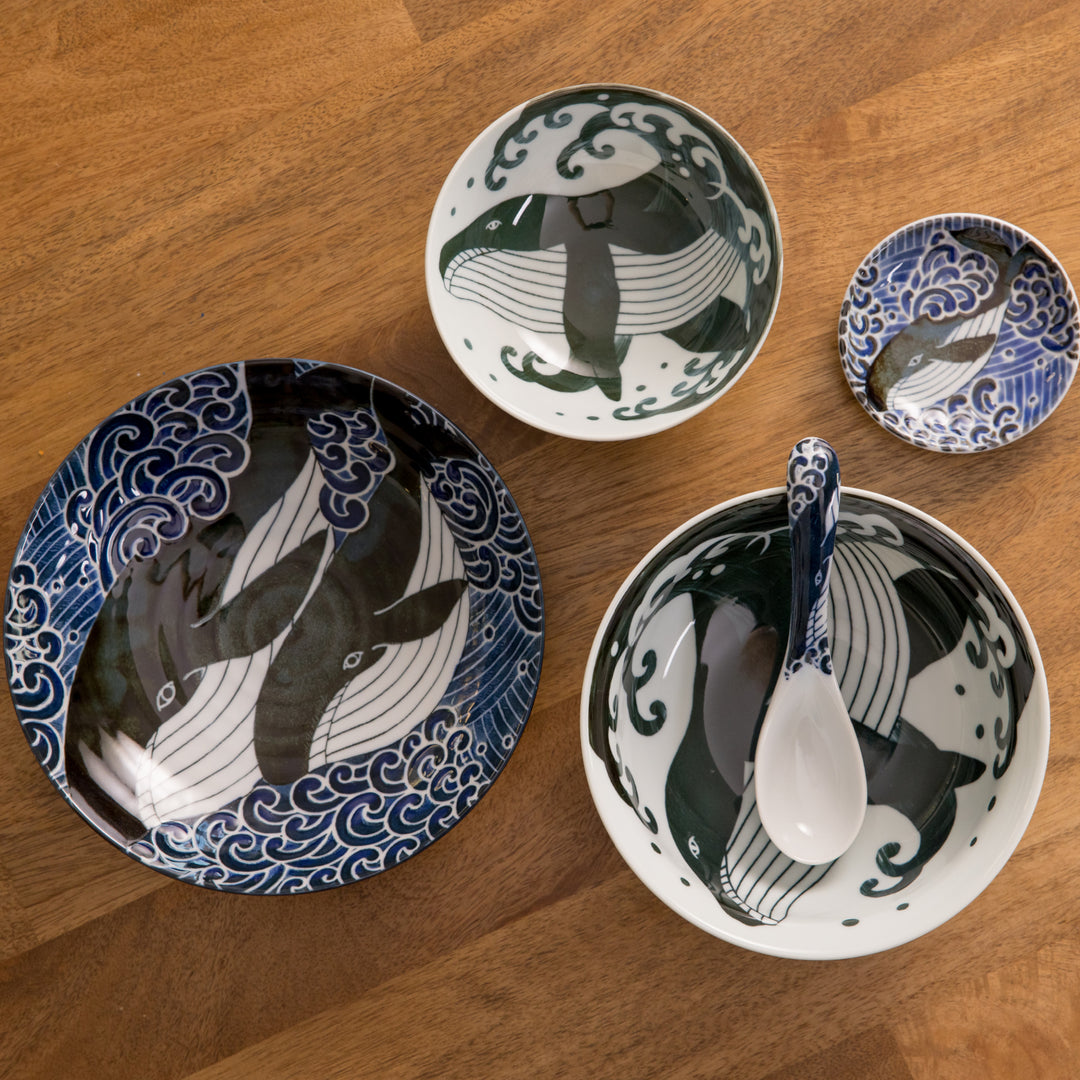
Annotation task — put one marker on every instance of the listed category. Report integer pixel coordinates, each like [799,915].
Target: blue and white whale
[931,359]
[643,257]
[740,654]
[248,649]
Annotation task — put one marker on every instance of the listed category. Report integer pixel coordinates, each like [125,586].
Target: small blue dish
[274,627]
[959,333]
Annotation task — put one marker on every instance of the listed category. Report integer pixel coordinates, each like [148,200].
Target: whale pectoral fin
[936,612]
[264,607]
[591,312]
[966,350]
[722,325]
[418,615]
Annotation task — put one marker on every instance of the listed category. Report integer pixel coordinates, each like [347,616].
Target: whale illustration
[213,663]
[916,620]
[643,257]
[929,359]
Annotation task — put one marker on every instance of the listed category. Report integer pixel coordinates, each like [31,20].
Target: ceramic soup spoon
[808,770]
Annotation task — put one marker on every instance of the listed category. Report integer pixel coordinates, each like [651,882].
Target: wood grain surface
[186,184]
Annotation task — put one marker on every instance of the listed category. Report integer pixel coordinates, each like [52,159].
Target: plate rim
[541,638]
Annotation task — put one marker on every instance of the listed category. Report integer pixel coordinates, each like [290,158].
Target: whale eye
[165,696]
[491,226]
[916,360]
[352,660]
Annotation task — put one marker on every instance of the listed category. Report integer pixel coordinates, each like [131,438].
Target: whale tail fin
[994,247]
[602,358]
[985,242]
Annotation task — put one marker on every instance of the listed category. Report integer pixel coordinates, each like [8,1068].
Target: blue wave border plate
[274,626]
[959,333]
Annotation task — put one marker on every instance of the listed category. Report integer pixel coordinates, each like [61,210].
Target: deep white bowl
[603,261]
[940,673]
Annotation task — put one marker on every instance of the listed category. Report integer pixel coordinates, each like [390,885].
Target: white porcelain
[944,683]
[603,262]
[809,781]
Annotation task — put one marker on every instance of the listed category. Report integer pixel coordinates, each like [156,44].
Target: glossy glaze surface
[937,668]
[959,333]
[603,262]
[809,782]
[274,626]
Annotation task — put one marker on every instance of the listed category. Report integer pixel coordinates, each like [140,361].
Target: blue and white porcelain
[959,333]
[274,626]
[939,672]
[809,781]
[603,262]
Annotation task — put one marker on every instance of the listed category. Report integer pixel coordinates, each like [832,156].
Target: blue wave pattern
[505,599]
[354,456]
[350,820]
[344,821]
[334,827]
[132,483]
[151,467]
[920,271]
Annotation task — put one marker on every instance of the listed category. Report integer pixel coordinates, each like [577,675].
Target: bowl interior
[959,333]
[603,261]
[939,673]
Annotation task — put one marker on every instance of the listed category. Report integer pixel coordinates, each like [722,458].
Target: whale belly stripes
[870,647]
[408,681]
[656,292]
[524,287]
[757,875]
[938,379]
[204,756]
[660,292]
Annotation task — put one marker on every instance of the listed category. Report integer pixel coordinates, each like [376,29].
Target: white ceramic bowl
[940,673]
[603,261]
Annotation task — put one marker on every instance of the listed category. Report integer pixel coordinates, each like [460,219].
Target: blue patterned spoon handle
[813,499]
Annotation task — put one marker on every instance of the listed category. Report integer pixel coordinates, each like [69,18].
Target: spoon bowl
[807,770]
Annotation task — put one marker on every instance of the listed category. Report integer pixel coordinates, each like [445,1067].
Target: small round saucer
[959,333]
[603,262]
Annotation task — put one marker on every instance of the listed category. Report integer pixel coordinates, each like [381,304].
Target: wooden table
[190,184]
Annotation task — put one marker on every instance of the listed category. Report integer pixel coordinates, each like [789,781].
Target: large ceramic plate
[938,669]
[274,626]
[604,261]
[959,333]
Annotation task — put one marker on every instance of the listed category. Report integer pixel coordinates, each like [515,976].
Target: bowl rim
[991,220]
[734,933]
[431,257]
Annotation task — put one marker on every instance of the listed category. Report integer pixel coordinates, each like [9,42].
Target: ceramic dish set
[276,626]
